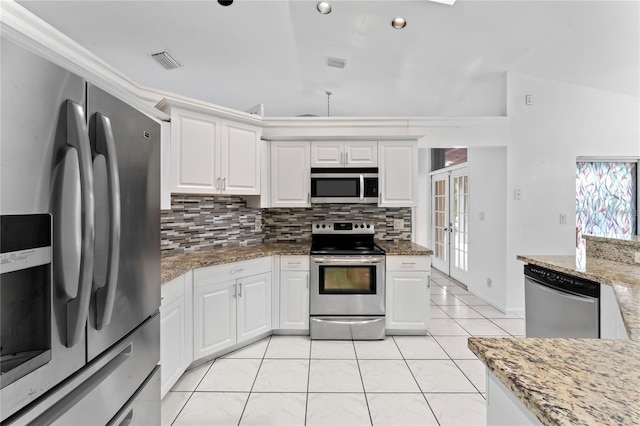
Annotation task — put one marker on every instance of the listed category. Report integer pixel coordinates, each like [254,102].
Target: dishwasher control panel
[563,281]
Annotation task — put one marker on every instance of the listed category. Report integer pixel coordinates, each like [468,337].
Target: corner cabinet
[213,155]
[232,303]
[398,173]
[408,294]
[290,174]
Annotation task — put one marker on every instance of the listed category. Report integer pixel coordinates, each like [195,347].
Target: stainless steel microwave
[344,185]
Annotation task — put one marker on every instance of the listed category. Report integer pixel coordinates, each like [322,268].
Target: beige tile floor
[402,380]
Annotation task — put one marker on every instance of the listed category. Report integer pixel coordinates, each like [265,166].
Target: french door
[450,223]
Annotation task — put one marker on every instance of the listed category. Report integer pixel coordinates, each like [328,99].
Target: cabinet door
[194,152]
[239,159]
[290,174]
[294,300]
[407,300]
[214,317]
[327,154]
[172,341]
[361,154]
[398,173]
[254,306]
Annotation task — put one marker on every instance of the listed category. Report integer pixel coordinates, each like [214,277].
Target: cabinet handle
[308,198]
[217,185]
[346,158]
[224,184]
[240,290]
[342,158]
[235,291]
[408,263]
[380,198]
[294,263]
[307,281]
[235,271]
[428,282]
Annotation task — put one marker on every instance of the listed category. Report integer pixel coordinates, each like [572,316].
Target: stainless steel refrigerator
[80,261]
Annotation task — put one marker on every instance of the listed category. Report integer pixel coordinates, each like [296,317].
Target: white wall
[487,235]
[564,122]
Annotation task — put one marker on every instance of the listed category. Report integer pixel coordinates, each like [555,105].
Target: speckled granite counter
[623,277]
[404,248]
[568,381]
[575,381]
[174,265]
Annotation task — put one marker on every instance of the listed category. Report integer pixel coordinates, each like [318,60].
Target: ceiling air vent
[166,60]
[336,62]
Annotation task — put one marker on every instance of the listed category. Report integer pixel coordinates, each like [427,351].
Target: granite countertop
[623,277]
[568,381]
[404,248]
[575,381]
[174,265]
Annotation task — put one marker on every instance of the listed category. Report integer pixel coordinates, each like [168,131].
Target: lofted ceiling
[275,52]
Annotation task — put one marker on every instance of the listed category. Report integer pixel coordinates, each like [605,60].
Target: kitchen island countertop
[575,381]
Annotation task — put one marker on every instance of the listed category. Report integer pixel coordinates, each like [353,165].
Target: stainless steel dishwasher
[560,305]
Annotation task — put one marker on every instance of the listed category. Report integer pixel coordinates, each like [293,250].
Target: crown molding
[175,101]
[29,31]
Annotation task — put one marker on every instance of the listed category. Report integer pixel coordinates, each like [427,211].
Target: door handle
[106,291]
[78,138]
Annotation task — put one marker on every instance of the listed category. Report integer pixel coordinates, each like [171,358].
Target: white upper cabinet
[213,155]
[290,174]
[344,154]
[398,173]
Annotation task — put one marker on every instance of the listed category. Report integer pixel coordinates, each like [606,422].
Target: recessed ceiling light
[323,7]
[225,2]
[398,23]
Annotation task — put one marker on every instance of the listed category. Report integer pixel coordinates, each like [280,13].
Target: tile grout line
[364,391]
[306,403]
[192,392]
[416,380]
[254,381]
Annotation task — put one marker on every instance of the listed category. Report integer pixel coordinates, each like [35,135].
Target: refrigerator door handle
[106,293]
[78,138]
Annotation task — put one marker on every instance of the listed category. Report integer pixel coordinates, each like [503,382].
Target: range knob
[368,226]
[317,226]
[324,226]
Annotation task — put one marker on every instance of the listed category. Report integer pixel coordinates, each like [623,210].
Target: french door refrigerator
[80,261]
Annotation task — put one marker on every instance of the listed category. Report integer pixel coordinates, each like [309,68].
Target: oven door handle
[367,260]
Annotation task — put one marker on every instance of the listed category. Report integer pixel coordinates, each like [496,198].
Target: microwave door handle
[106,294]
[362,188]
[78,138]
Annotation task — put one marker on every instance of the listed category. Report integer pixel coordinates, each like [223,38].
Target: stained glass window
[606,201]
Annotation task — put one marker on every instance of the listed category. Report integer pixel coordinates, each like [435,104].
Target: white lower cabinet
[294,293]
[175,331]
[232,303]
[611,322]
[407,298]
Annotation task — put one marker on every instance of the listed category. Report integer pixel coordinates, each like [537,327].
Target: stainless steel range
[347,282]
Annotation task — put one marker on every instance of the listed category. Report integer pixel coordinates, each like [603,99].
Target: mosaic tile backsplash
[294,224]
[197,222]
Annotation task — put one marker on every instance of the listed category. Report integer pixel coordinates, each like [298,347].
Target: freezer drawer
[143,409]
[99,392]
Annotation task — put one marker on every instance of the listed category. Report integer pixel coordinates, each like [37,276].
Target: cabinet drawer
[231,271]
[294,263]
[408,263]
[172,290]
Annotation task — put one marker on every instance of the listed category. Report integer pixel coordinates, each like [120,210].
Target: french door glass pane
[440,220]
[606,201]
[460,210]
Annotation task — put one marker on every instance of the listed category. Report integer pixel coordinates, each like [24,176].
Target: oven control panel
[342,228]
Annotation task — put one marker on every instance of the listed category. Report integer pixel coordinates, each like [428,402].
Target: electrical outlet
[489,282]
[636,257]
[258,224]
[398,224]
[528,99]
[517,194]
[563,219]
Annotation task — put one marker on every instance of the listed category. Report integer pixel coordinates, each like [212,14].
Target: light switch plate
[398,224]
